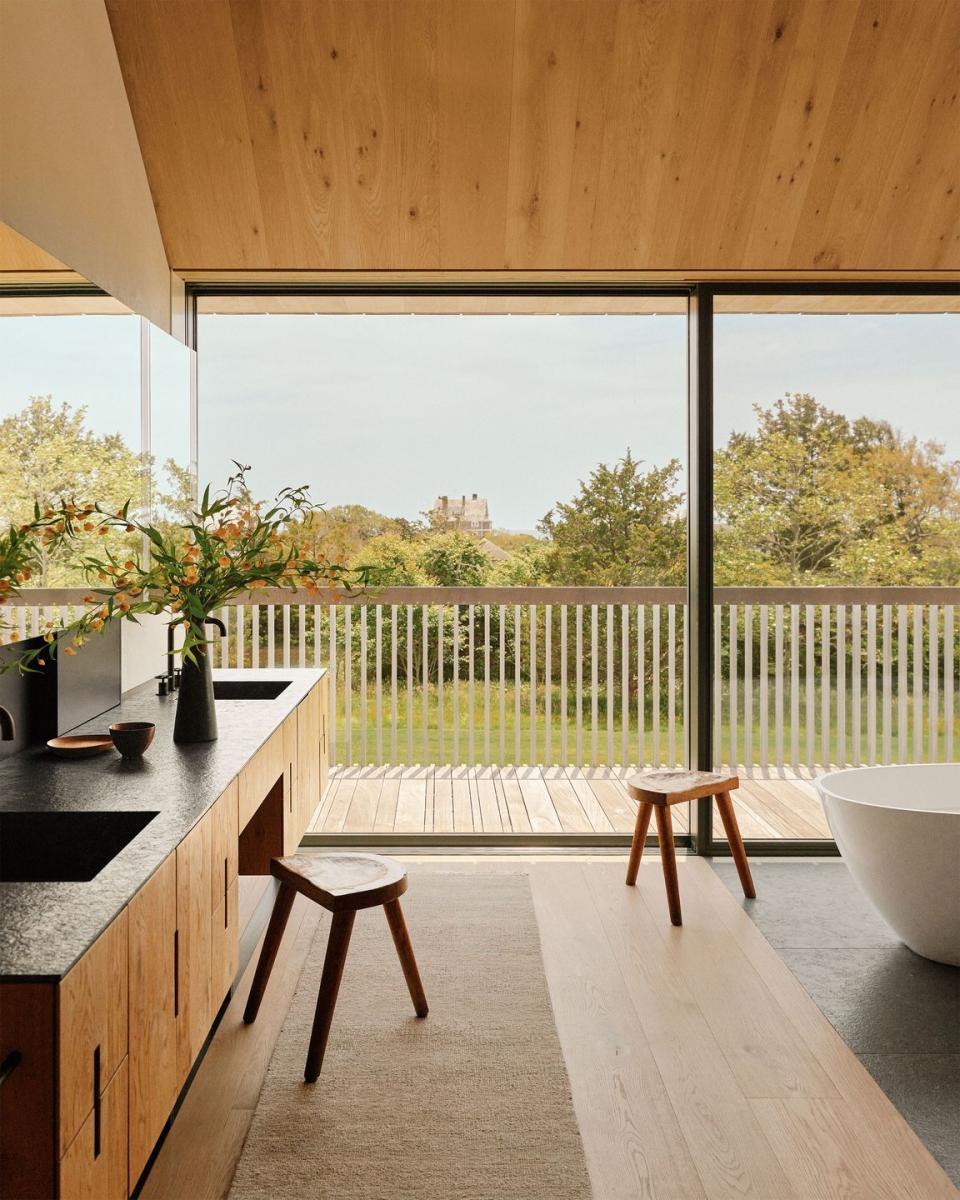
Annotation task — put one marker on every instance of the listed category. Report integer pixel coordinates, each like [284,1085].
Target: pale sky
[390,411]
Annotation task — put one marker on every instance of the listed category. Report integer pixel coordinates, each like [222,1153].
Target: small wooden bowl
[132,738]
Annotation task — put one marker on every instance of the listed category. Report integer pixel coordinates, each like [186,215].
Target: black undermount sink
[249,689]
[63,847]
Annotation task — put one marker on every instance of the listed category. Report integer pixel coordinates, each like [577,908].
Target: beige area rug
[472,1103]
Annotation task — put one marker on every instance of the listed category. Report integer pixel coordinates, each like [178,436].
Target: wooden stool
[656,791]
[343,884]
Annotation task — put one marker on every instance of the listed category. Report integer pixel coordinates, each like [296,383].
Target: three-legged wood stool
[342,884]
[655,791]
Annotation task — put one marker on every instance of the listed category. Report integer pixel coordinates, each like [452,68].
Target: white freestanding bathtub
[898,829]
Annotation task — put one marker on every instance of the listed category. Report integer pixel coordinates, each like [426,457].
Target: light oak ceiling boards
[650,135]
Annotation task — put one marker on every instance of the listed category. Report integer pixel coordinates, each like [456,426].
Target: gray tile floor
[899,1013]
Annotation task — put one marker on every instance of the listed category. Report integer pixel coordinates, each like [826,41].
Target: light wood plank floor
[445,799]
[699,1066]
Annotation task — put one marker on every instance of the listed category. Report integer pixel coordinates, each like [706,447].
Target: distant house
[471,514]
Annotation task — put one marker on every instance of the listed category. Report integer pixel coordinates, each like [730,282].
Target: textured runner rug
[471,1103]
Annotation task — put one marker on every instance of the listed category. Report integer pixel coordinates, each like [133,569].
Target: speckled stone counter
[46,927]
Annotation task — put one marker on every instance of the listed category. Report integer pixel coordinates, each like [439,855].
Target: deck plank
[462,800]
[412,799]
[512,794]
[442,800]
[490,815]
[362,813]
[539,799]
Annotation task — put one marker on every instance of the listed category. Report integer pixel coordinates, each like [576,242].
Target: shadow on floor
[898,1012]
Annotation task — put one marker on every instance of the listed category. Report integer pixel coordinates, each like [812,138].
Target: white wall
[72,178]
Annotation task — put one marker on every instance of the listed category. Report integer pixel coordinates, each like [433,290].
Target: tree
[453,560]
[812,497]
[625,527]
[342,530]
[393,561]
[47,453]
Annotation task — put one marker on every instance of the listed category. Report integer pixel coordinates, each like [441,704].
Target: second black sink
[63,847]
[249,689]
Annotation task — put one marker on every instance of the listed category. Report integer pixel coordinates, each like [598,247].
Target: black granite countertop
[46,927]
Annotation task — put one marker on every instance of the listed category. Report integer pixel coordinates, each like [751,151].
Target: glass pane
[172,483]
[837,494]
[515,443]
[69,418]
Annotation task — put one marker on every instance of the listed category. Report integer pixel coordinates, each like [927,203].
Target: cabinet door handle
[13,1060]
[226,897]
[96,1102]
[176,972]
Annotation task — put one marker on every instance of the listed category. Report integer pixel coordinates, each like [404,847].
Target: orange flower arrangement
[230,545]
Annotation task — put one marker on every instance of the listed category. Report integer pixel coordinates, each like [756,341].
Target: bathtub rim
[824,791]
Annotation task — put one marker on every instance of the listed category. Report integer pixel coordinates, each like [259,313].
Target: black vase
[196,712]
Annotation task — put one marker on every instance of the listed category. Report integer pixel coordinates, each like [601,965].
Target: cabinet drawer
[94,1166]
[194,889]
[259,776]
[92,1025]
[224,834]
[225,945]
[152,1061]
[323,688]
[310,749]
[291,786]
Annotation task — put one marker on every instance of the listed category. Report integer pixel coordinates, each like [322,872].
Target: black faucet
[170,680]
[8,728]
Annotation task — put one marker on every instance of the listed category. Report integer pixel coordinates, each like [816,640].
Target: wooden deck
[547,800]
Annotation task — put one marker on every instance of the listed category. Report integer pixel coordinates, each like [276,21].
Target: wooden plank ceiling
[660,135]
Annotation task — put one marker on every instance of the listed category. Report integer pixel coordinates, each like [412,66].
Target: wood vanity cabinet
[224,899]
[194,986]
[183,959]
[104,1053]
[153,1012]
[291,782]
[323,690]
[310,756]
[259,776]
[92,1031]
[94,1166]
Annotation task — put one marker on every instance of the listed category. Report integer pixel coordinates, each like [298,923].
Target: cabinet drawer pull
[176,972]
[96,1102]
[13,1059]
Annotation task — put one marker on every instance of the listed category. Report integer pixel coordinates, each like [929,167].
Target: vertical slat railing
[866,678]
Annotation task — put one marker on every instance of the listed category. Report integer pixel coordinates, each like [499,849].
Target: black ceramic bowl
[132,738]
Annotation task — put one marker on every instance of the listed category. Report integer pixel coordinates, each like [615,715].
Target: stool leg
[268,954]
[669,859]
[340,929]
[644,813]
[728,816]
[401,939]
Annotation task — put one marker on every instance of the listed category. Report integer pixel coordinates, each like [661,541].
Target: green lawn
[427,745]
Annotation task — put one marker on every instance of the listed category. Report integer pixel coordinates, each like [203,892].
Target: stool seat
[673,787]
[655,792]
[343,882]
